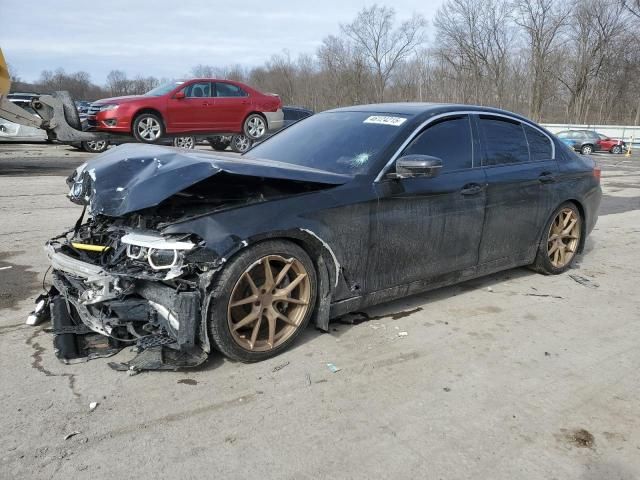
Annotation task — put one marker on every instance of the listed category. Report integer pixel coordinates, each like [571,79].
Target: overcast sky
[166,38]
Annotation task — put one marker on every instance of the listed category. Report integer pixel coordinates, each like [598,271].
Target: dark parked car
[184,253]
[295,114]
[584,141]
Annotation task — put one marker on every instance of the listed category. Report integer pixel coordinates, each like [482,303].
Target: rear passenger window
[504,141]
[539,144]
[449,140]
[229,90]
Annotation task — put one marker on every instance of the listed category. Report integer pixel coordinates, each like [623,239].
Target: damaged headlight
[79,185]
[161,253]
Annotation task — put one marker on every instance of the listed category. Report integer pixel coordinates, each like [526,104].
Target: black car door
[423,227]
[521,171]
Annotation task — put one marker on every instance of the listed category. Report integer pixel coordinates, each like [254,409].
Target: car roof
[413,109]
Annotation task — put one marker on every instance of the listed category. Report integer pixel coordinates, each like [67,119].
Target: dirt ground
[516,375]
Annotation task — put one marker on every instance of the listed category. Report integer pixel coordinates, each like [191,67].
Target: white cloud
[166,39]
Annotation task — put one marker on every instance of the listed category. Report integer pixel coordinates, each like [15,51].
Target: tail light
[596,173]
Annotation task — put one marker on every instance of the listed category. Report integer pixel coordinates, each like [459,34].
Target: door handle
[547,177]
[472,188]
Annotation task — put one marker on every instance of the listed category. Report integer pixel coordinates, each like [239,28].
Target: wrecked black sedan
[186,252]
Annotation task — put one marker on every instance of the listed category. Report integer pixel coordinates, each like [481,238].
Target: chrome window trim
[420,127]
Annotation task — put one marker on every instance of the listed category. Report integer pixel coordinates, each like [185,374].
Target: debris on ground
[547,354]
[333,368]
[188,381]
[280,367]
[583,281]
[93,406]
[403,334]
[446,389]
[542,295]
[72,434]
[489,289]
[308,379]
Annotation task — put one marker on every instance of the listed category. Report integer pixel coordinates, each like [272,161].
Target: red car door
[191,112]
[231,106]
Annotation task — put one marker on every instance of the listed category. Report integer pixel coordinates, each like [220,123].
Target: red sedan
[198,106]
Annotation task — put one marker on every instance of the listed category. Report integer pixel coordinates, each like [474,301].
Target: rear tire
[586,149]
[95,146]
[188,143]
[148,128]
[240,143]
[255,126]
[258,298]
[560,241]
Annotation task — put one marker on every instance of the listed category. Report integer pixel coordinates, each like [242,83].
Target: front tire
[255,126]
[148,128]
[560,241]
[616,149]
[262,301]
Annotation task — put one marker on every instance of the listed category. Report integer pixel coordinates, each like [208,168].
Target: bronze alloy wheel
[268,303]
[564,237]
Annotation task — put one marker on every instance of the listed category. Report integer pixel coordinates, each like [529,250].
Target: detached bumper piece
[96,314]
[73,343]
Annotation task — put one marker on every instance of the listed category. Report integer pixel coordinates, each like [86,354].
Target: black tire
[96,146]
[587,149]
[218,144]
[240,143]
[186,142]
[155,133]
[542,262]
[255,126]
[616,149]
[222,289]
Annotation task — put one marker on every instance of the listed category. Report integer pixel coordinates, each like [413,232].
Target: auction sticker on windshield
[385,120]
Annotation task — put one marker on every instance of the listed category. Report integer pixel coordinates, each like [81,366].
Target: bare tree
[383,46]
[594,26]
[632,6]
[542,21]
[117,83]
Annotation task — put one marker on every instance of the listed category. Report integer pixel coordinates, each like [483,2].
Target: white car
[13,132]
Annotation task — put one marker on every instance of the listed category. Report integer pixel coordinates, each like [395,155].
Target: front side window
[539,144]
[229,90]
[198,89]
[450,140]
[504,141]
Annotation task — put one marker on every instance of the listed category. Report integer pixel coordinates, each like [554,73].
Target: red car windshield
[162,89]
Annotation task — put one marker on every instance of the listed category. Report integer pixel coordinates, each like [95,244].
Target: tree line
[569,61]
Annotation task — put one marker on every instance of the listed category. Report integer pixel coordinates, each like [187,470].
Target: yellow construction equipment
[5,80]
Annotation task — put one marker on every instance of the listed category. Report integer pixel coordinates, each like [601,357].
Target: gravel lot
[515,375]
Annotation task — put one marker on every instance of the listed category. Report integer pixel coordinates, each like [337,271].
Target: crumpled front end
[132,286]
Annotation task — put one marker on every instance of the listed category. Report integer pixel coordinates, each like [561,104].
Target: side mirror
[410,166]
[179,95]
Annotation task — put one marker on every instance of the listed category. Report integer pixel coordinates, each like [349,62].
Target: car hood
[124,99]
[133,177]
